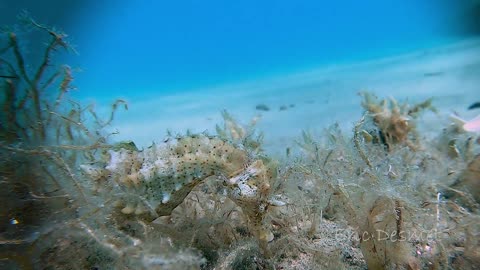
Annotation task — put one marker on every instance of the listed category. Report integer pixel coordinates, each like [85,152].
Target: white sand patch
[321,97]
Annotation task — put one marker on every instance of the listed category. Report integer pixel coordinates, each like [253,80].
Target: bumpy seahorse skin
[157,179]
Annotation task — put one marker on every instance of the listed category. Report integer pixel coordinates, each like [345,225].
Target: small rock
[262,107]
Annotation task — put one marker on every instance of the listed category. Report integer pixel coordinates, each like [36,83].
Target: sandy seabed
[314,100]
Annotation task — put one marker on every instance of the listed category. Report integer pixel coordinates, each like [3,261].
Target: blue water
[178,45]
[131,48]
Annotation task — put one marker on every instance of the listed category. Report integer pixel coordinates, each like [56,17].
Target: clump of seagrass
[469,179]
[29,125]
[464,148]
[394,121]
[394,200]
[43,137]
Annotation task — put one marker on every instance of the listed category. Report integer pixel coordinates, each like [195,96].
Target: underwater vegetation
[383,196]
[395,195]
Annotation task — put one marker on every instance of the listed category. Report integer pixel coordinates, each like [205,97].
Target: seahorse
[157,179]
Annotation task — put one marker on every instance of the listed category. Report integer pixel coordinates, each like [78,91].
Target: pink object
[472,125]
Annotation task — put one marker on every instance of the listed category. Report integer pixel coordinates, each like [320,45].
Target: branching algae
[396,198]
[393,120]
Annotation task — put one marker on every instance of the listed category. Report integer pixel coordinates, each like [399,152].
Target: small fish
[475,105]
[8,77]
